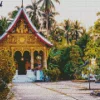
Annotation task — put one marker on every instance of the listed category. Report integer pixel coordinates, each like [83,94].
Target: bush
[3,90]
[7,70]
[2,85]
[4,93]
[98,77]
[53,73]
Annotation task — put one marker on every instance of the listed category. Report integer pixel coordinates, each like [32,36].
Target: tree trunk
[47,25]
[67,37]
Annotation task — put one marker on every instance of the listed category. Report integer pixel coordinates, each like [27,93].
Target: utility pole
[89,74]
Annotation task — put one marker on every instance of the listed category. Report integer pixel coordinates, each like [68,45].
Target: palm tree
[68,29]
[47,7]
[77,30]
[51,20]
[34,13]
[3,24]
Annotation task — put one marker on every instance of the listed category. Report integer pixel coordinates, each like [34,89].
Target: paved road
[31,91]
[65,90]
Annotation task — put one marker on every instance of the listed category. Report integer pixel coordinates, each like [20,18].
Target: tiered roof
[30,24]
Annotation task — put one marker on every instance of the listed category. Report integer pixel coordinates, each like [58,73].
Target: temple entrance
[27,60]
[20,63]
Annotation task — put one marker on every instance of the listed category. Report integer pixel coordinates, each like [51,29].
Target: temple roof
[33,28]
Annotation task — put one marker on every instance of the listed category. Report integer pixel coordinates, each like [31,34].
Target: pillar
[45,61]
[32,60]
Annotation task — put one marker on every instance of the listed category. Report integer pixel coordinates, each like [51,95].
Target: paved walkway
[30,91]
[65,90]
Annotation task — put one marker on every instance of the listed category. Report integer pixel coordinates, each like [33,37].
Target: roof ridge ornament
[22,4]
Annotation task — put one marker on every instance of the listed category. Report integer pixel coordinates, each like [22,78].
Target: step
[29,77]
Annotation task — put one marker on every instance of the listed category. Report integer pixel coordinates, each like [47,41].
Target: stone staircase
[30,77]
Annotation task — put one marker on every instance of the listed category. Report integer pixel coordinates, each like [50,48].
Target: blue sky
[82,10]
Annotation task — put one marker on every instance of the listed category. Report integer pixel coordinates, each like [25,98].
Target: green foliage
[3,25]
[54,57]
[52,73]
[97,26]
[71,61]
[91,50]
[2,85]
[73,30]
[98,62]
[34,13]
[97,71]
[48,9]
[7,69]
[14,13]
[47,5]
[3,94]
[57,34]
[67,60]
[98,77]
[82,42]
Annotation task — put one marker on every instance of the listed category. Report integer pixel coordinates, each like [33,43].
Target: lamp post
[89,77]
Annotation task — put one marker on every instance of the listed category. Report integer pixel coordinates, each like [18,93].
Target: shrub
[4,93]
[2,85]
[6,73]
[97,71]
[7,70]
[98,77]
[53,73]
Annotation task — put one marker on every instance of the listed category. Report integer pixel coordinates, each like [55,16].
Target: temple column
[45,61]
[32,60]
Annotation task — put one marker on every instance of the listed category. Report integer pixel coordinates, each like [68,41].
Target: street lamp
[89,77]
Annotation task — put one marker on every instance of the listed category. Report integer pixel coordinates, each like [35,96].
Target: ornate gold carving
[22,27]
[22,39]
[31,39]
[11,39]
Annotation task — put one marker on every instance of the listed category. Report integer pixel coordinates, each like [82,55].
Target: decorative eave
[33,28]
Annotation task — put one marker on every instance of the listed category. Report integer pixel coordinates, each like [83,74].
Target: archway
[27,60]
[38,59]
[19,63]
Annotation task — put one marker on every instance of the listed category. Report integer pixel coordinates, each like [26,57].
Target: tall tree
[47,7]
[77,30]
[82,42]
[68,29]
[51,20]
[34,13]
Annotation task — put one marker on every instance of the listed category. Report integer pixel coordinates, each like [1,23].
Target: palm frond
[29,7]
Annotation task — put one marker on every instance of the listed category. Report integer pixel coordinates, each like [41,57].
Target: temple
[25,44]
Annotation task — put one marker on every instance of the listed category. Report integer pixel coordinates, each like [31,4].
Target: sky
[82,10]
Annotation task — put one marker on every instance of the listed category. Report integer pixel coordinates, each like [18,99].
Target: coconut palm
[47,7]
[77,30]
[34,13]
[68,29]
[51,20]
